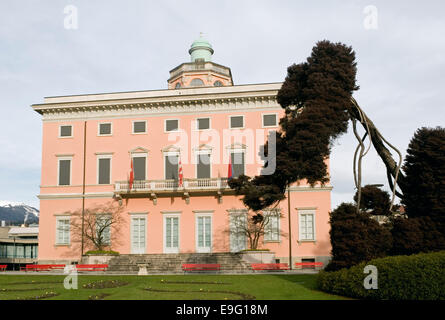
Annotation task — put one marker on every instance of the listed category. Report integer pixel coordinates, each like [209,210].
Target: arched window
[218,83]
[178,85]
[197,82]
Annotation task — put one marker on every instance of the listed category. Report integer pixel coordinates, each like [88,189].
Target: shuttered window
[269,120]
[104,170]
[171,167]
[64,172]
[237,163]
[139,127]
[237,122]
[66,131]
[104,129]
[203,166]
[203,123]
[171,125]
[139,168]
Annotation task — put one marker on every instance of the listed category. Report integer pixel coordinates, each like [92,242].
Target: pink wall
[119,144]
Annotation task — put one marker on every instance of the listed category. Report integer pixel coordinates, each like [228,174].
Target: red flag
[230,171]
[130,183]
[180,173]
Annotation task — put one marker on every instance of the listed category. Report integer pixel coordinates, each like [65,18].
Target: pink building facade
[200,124]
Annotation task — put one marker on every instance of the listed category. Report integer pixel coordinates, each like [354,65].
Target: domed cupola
[201,71]
[200,50]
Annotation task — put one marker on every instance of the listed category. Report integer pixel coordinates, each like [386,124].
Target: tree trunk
[382,150]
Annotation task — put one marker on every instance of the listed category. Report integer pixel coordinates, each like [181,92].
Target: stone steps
[162,263]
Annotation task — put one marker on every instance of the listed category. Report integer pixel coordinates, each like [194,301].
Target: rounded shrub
[415,277]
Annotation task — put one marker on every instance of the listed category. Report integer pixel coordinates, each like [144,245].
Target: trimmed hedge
[102,252]
[415,277]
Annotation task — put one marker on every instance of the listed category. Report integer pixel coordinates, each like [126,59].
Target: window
[204,233]
[105,129]
[237,160]
[66,131]
[138,230]
[103,228]
[104,170]
[203,166]
[307,225]
[63,230]
[269,120]
[178,85]
[139,126]
[171,166]
[218,83]
[64,172]
[139,167]
[236,122]
[196,83]
[171,233]
[272,228]
[238,223]
[171,125]
[203,123]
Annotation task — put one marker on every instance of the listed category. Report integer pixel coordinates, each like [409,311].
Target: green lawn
[164,287]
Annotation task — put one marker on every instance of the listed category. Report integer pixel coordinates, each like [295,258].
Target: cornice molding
[239,101]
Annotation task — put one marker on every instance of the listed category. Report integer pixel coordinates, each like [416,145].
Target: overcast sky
[132,45]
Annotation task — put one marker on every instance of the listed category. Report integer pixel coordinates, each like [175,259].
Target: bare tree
[255,225]
[101,226]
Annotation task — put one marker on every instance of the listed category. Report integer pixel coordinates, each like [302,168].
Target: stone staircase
[172,263]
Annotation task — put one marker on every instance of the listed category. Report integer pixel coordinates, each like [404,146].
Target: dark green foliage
[355,237]
[374,200]
[424,169]
[419,234]
[316,97]
[415,277]
[423,196]
[102,252]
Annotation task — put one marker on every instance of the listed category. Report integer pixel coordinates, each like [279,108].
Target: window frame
[104,156]
[166,215]
[105,134]
[275,214]
[60,131]
[57,240]
[243,151]
[269,114]
[98,217]
[239,128]
[58,171]
[208,213]
[132,127]
[306,212]
[165,125]
[197,123]
[165,154]
[197,154]
[140,155]
[145,218]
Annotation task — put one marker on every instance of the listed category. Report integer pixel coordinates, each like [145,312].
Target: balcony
[155,188]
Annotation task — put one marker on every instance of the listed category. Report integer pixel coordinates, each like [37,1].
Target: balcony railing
[207,184]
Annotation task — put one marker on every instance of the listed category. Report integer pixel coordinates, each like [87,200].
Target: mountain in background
[14,213]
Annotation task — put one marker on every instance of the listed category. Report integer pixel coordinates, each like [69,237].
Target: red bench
[91,267]
[201,267]
[3,267]
[42,267]
[307,265]
[269,266]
